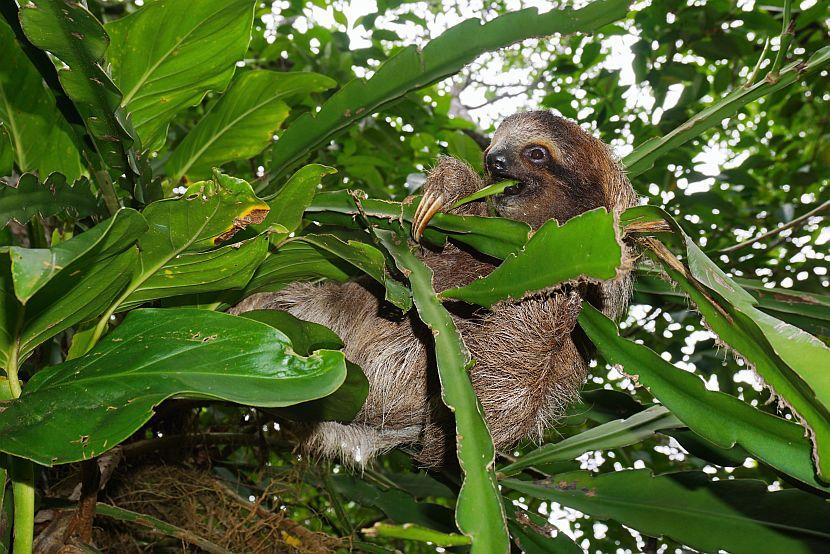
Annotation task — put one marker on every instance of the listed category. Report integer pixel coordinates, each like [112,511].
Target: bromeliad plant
[124,244]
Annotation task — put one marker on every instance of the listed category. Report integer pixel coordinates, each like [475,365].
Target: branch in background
[524,90]
[797,222]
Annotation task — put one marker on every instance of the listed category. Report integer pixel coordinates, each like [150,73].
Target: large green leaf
[806,310]
[790,360]
[369,260]
[412,68]
[643,157]
[52,197]
[169,53]
[73,35]
[739,516]
[585,247]
[208,213]
[306,337]
[33,268]
[242,123]
[773,440]
[479,512]
[293,198]
[225,268]
[153,355]
[60,296]
[296,261]
[614,434]
[40,139]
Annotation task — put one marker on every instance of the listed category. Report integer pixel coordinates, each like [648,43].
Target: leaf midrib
[129,96]
[224,129]
[22,162]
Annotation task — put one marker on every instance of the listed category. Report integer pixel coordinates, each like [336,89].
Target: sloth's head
[561,170]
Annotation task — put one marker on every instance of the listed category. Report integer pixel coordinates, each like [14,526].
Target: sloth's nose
[496,163]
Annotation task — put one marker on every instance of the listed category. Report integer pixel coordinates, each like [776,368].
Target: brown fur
[530,357]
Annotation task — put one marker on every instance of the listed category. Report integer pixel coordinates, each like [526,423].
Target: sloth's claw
[429,205]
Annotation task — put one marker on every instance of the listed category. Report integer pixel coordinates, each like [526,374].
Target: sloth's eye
[536,154]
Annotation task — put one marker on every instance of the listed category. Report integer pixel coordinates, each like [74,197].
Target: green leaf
[644,156]
[417,533]
[6,152]
[209,212]
[52,197]
[99,264]
[242,123]
[154,355]
[494,236]
[306,337]
[738,516]
[159,526]
[169,53]
[399,506]
[296,261]
[773,440]
[461,146]
[614,434]
[291,201]
[369,260]
[9,308]
[412,68]
[479,512]
[489,190]
[73,35]
[225,268]
[585,246]
[808,311]
[33,268]
[34,134]
[788,359]
[206,214]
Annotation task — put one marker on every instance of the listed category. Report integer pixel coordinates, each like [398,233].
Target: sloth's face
[561,170]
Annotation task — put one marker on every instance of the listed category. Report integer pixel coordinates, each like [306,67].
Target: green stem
[107,191]
[787,32]
[23,490]
[22,474]
[750,80]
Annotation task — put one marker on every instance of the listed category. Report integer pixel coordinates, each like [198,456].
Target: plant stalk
[107,191]
[22,474]
[787,32]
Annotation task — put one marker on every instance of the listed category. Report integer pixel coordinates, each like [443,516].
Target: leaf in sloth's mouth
[490,190]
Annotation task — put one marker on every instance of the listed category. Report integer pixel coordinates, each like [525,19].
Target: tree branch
[797,222]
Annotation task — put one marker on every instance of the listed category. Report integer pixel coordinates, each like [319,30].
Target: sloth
[531,358]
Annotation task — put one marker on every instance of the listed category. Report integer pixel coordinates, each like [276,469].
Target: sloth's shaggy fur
[531,359]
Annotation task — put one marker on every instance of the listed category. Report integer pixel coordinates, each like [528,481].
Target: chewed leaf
[586,246]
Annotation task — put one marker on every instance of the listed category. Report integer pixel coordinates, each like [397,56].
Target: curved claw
[429,205]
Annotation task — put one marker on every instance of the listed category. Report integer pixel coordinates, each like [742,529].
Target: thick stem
[23,489]
[22,475]
[107,191]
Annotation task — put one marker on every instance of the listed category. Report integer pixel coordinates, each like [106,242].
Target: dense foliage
[163,159]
